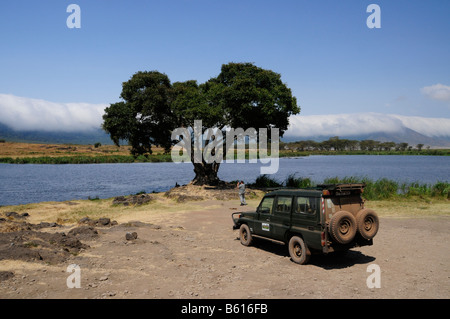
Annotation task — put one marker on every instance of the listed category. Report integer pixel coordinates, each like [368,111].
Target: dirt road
[196,254]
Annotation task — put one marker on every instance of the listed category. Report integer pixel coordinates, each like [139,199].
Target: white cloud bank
[365,123]
[438,92]
[25,114]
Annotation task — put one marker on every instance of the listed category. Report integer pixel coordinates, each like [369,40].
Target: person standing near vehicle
[241,187]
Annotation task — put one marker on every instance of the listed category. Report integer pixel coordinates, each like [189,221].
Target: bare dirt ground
[194,253]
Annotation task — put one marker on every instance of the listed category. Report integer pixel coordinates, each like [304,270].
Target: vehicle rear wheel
[298,250]
[367,223]
[343,227]
[245,235]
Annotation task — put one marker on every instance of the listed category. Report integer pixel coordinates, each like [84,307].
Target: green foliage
[252,97]
[336,145]
[388,189]
[298,182]
[241,96]
[440,189]
[263,181]
[86,159]
[381,189]
[145,117]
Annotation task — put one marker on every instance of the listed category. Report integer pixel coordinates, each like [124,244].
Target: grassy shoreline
[86,159]
[28,153]
[166,158]
[70,212]
[380,189]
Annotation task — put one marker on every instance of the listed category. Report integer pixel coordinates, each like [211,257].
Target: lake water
[30,183]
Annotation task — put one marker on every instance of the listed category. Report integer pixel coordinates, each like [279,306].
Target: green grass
[87,159]
[380,189]
[167,157]
[431,152]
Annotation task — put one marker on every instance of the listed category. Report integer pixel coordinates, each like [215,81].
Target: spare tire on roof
[343,227]
[367,223]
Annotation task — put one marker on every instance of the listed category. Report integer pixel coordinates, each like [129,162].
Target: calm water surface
[30,183]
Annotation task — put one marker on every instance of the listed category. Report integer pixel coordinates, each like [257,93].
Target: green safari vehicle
[327,218]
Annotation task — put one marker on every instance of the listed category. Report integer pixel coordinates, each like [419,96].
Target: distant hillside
[82,138]
[405,135]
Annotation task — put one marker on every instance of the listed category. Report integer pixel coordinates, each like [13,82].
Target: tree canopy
[241,96]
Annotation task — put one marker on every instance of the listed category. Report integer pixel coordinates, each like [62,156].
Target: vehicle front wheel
[245,235]
[298,250]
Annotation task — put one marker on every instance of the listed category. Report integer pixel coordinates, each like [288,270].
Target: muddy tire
[367,223]
[245,235]
[343,227]
[298,250]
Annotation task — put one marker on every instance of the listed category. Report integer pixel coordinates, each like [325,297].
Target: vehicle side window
[266,205]
[284,204]
[305,205]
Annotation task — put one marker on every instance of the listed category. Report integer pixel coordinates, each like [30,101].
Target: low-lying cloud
[26,114]
[438,92]
[365,123]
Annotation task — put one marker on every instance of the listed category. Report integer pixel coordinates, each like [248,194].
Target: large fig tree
[241,96]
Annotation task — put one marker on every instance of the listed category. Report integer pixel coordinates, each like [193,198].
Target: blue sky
[324,50]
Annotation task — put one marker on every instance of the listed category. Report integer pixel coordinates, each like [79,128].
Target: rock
[104,221]
[132,200]
[84,220]
[16,215]
[84,232]
[46,224]
[119,200]
[131,236]
[5,275]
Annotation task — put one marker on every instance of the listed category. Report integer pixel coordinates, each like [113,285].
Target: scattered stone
[84,232]
[131,236]
[5,275]
[45,225]
[140,199]
[30,245]
[16,215]
[103,221]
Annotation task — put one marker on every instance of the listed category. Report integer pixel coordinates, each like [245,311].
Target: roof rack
[342,187]
[331,187]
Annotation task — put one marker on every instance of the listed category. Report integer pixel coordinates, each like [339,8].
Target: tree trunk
[206,174]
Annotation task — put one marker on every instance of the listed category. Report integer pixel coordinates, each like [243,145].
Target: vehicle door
[281,220]
[265,212]
[305,219]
